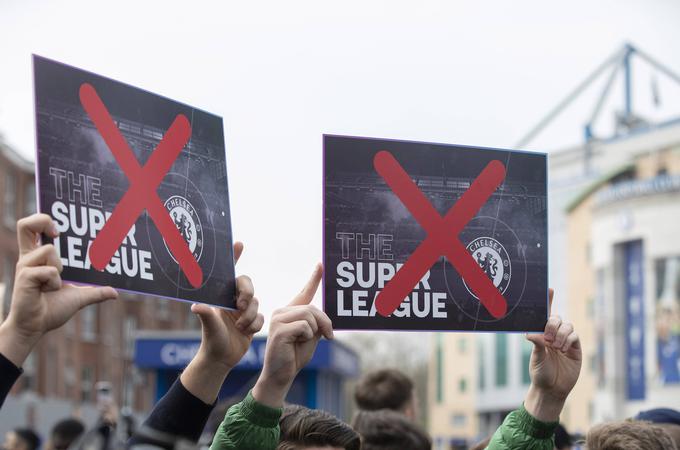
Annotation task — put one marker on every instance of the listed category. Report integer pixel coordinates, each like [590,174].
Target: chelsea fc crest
[494,261]
[184,215]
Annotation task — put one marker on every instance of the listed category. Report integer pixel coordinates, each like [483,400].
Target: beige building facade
[624,287]
[452,391]
[589,225]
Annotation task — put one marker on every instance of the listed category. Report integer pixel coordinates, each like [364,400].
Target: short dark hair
[384,389]
[65,433]
[29,437]
[386,429]
[302,427]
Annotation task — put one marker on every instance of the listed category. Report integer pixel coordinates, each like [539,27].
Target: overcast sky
[281,73]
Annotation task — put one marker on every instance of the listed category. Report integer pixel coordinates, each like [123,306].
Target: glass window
[482,366]
[440,370]
[462,385]
[501,359]
[29,198]
[129,330]
[458,420]
[7,282]
[86,383]
[462,345]
[10,201]
[163,309]
[667,319]
[526,359]
[88,323]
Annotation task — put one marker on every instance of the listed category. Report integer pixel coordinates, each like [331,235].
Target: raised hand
[554,367]
[40,301]
[294,333]
[225,338]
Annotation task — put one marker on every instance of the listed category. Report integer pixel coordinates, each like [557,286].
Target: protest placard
[421,236]
[136,184]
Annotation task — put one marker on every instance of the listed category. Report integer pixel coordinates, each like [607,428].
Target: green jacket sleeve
[520,430]
[248,426]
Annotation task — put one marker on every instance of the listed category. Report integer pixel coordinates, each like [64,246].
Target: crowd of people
[387,415]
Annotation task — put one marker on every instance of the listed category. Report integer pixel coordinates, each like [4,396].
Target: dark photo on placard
[421,236]
[146,174]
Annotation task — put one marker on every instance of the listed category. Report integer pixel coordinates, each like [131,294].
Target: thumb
[538,341]
[238,250]
[89,295]
[307,294]
[205,313]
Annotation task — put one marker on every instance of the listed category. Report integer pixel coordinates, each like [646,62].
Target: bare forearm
[204,377]
[543,406]
[13,346]
[270,392]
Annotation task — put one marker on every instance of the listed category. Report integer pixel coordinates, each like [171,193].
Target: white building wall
[654,220]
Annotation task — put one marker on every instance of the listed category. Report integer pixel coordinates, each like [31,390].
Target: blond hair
[628,435]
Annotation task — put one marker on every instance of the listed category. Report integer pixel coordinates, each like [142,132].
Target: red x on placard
[142,191]
[442,235]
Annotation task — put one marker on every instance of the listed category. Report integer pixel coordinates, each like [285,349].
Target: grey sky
[283,73]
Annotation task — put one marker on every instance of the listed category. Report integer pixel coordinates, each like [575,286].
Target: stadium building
[613,214]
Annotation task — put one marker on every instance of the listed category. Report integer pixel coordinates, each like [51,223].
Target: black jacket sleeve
[179,414]
[8,376]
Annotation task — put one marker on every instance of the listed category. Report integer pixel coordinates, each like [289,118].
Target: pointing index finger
[307,294]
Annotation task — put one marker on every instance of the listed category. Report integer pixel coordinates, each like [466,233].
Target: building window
[29,199]
[458,420]
[482,366]
[86,383]
[667,319]
[440,369]
[129,330]
[163,310]
[9,215]
[526,358]
[29,368]
[501,359]
[462,345]
[88,323]
[7,282]
[462,385]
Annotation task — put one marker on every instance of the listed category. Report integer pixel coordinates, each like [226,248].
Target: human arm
[554,368]
[225,338]
[40,301]
[294,333]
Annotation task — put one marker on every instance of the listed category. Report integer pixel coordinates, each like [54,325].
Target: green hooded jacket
[248,426]
[521,431]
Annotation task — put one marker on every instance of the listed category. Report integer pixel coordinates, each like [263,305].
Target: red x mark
[142,191]
[442,235]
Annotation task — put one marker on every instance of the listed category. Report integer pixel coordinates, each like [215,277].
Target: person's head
[64,433]
[629,435]
[666,418]
[310,429]
[386,429]
[21,439]
[386,389]
[563,439]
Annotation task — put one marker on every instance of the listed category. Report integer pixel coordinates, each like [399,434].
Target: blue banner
[173,352]
[635,313]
